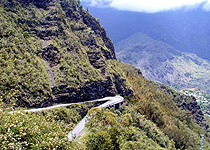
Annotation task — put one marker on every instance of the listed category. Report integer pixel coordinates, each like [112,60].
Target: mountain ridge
[161,62]
[187,31]
[56,52]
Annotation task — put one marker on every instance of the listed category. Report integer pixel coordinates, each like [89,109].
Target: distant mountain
[187,31]
[54,51]
[161,62]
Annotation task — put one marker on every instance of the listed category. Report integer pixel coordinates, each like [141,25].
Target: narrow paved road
[62,105]
[77,131]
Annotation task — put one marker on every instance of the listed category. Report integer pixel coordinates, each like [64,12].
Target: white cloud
[207,6]
[99,3]
[149,6]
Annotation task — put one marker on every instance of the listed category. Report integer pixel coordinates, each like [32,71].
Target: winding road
[76,132]
[111,101]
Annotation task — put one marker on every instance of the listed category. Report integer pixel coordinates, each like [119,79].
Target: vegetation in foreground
[68,39]
[149,120]
[40,130]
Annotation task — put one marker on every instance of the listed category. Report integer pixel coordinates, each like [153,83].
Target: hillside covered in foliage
[155,117]
[56,52]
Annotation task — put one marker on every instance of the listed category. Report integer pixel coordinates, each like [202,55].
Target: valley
[163,63]
[58,65]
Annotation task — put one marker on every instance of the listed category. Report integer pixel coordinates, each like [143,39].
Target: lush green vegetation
[40,130]
[158,105]
[42,41]
[39,45]
[123,130]
[148,120]
[21,71]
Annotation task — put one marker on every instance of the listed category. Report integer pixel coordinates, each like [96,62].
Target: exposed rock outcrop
[192,106]
[189,105]
[62,34]
[91,91]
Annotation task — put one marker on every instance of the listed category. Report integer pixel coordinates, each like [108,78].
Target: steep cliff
[54,51]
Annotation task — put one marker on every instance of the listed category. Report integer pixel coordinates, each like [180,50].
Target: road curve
[110,101]
[76,132]
[61,105]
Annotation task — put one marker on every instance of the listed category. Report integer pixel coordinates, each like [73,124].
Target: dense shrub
[40,130]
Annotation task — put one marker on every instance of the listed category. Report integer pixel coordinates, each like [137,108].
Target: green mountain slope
[56,52]
[127,128]
[161,62]
[155,117]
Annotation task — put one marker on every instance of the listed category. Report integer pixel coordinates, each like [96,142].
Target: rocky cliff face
[194,109]
[189,105]
[43,42]
[56,52]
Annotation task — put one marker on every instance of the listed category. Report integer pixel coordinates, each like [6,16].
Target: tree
[100,140]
